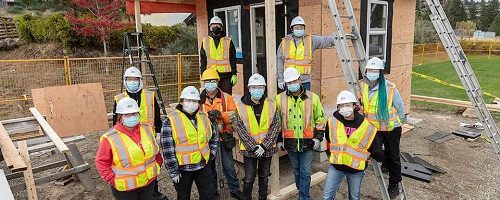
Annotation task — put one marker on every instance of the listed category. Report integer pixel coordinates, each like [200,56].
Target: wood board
[291,190]
[74,109]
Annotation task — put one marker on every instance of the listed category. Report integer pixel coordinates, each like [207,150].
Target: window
[231,17]
[376,29]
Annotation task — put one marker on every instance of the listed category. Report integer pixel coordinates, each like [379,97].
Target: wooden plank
[50,145]
[12,158]
[76,159]
[5,188]
[38,169]
[73,109]
[291,190]
[491,107]
[53,177]
[49,131]
[28,173]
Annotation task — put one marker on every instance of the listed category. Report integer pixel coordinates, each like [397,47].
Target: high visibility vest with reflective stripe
[133,167]
[303,111]
[191,143]
[299,56]
[352,151]
[258,130]
[146,109]
[217,56]
[370,108]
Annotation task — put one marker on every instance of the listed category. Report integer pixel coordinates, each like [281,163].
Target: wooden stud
[38,169]
[49,131]
[12,158]
[28,173]
[291,190]
[76,159]
[491,107]
[53,177]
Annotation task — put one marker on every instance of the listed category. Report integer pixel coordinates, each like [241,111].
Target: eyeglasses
[210,81]
[253,87]
[299,27]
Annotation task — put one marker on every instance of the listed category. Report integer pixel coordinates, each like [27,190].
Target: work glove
[234,80]
[281,146]
[259,150]
[176,179]
[316,144]
[213,115]
[281,85]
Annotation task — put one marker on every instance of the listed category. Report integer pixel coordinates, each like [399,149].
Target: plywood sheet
[72,110]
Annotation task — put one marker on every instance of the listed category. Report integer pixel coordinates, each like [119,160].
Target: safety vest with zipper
[298,56]
[258,130]
[217,56]
[370,108]
[146,108]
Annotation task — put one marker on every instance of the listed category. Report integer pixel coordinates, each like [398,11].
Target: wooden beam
[5,188]
[51,145]
[76,159]
[291,190]
[137,15]
[451,102]
[38,169]
[53,177]
[49,132]
[12,158]
[29,181]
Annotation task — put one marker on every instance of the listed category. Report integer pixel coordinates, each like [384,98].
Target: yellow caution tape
[447,84]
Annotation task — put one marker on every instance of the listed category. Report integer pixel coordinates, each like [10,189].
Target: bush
[185,43]
[15,9]
[425,32]
[53,28]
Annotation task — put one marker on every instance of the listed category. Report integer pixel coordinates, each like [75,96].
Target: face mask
[131,121]
[346,111]
[298,33]
[190,107]
[210,86]
[257,93]
[133,86]
[216,30]
[293,87]
[372,76]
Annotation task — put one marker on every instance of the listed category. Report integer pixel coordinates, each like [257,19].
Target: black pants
[391,141]
[252,166]
[203,180]
[225,85]
[145,193]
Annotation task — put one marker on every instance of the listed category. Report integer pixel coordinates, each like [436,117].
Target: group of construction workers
[195,142]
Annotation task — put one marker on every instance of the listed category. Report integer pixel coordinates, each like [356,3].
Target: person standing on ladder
[352,140]
[188,145]
[258,128]
[384,108]
[218,104]
[296,50]
[149,109]
[218,52]
[303,124]
[129,148]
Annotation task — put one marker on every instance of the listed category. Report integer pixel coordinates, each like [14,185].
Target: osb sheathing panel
[303,3]
[330,88]
[314,26]
[402,54]
[403,21]
[201,20]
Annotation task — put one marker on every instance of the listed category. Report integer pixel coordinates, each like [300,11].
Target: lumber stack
[7,28]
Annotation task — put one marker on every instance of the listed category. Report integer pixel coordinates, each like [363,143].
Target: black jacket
[257,108]
[232,57]
[137,97]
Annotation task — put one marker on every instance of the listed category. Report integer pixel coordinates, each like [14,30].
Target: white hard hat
[291,74]
[215,20]
[297,21]
[126,106]
[190,92]
[346,97]
[132,72]
[256,79]
[375,63]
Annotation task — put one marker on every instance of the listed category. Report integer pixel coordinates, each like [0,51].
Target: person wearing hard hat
[296,50]
[218,104]
[257,125]
[384,108]
[188,145]
[352,141]
[149,110]
[218,52]
[128,157]
[303,125]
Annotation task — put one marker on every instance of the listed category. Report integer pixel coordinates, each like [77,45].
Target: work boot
[393,190]
[236,194]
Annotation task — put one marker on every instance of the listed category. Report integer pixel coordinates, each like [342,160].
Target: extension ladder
[348,66]
[464,71]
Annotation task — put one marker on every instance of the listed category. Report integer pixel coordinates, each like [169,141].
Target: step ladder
[138,56]
[464,71]
[349,69]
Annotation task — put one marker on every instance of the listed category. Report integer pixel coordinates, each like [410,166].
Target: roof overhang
[162,6]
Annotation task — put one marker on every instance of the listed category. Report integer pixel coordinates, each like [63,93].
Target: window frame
[225,10]
[384,32]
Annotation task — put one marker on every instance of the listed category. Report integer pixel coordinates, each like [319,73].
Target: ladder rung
[153,88]
[134,33]
[141,61]
[346,16]
[148,75]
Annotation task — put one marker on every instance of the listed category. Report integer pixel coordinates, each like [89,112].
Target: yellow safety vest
[191,143]
[146,109]
[352,151]
[300,56]
[217,56]
[133,166]
[370,108]
[258,130]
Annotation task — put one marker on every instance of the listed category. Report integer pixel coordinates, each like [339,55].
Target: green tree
[466,28]
[495,26]
[455,11]
[473,11]
[487,14]
[425,32]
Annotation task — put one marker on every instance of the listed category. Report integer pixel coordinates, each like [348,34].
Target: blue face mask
[133,86]
[131,121]
[257,93]
[298,33]
[293,87]
[210,86]
[372,76]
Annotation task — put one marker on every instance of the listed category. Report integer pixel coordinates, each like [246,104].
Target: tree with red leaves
[97,18]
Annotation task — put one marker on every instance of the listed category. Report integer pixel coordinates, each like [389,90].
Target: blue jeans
[228,170]
[334,179]
[301,164]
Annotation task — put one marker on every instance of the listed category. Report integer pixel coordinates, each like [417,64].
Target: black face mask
[217,30]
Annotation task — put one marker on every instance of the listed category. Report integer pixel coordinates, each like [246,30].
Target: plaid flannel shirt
[269,143]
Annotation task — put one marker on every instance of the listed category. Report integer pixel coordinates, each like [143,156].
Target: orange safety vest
[258,130]
[146,112]
[217,56]
[133,166]
[223,104]
[300,56]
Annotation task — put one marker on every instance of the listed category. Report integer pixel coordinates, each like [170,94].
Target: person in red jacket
[129,148]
